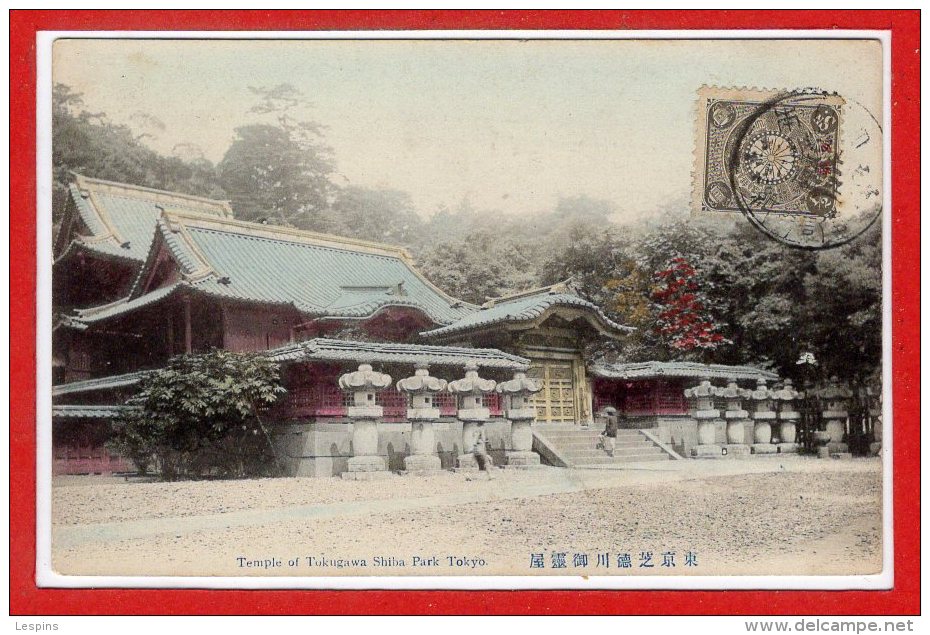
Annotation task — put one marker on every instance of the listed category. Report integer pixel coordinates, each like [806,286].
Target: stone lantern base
[466,463]
[522,459]
[838,448]
[422,463]
[366,468]
[788,448]
[736,450]
[764,448]
[707,451]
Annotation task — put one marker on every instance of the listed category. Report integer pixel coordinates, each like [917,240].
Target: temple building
[141,275]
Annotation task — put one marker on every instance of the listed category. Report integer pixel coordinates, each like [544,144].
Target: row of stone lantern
[747,431]
[365,414]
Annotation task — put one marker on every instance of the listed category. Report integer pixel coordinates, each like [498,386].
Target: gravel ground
[798,516]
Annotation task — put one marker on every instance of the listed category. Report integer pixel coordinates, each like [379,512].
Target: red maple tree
[683,320]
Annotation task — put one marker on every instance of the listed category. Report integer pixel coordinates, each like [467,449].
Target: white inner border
[46,577]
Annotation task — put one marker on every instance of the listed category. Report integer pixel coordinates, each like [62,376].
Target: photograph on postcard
[466,307]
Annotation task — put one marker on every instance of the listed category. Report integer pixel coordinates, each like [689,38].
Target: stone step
[578,446]
[648,449]
[632,458]
[572,446]
[588,435]
[584,434]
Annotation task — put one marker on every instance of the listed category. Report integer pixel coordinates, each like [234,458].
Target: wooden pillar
[225,325]
[170,330]
[187,325]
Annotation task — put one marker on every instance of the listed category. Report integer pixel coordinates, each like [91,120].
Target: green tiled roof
[522,308]
[86,317]
[121,218]
[319,275]
[693,370]
[87,412]
[318,279]
[100,383]
[329,350]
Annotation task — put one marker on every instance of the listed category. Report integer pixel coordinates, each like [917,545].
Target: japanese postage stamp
[438,308]
[777,158]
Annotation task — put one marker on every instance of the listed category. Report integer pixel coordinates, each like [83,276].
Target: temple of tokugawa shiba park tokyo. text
[142,275]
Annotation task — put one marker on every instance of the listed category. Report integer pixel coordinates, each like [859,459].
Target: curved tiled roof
[316,274]
[85,317]
[522,308]
[327,278]
[99,383]
[330,350]
[121,218]
[646,370]
[87,412]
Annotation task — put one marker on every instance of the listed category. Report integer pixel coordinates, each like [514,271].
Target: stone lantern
[835,402]
[737,419]
[363,383]
[516,393]
[422,415]
[763,414]
[701,398]
[788,416]
[471,411]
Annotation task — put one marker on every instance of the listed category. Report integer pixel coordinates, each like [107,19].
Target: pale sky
[511,125]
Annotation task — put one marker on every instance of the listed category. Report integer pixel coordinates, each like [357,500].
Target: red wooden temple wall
[313,391]
[79,447]
[644,397]
[257,329]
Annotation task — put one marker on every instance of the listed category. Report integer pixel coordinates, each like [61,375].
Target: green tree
[201,414]
[842,318]
[478,267]
[281,171]
[89,143]
[378,214]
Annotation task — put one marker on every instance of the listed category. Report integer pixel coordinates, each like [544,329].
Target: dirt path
[737,517]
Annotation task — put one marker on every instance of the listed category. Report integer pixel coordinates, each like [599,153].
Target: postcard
[477,310]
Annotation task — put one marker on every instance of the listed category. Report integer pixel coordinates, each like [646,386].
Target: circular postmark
[805,168]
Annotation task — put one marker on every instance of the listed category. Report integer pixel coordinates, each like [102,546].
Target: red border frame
[27,599]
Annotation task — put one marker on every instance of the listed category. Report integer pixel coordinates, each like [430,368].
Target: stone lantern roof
[421,382]
[787,392]
[364,379]
[761,392]
[834,390]
[471,384]
[519,385]
[732,391]
[703,389]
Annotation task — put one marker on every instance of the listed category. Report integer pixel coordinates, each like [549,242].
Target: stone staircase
[571,445]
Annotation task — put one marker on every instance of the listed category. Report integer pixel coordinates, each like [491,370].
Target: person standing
[480,451]
[609,435]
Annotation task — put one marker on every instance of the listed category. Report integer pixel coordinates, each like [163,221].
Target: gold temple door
[557,400]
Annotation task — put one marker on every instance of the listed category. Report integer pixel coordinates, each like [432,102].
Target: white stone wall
[679,431]
[322,448]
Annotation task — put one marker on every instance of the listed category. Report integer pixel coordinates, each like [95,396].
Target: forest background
[709,289]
